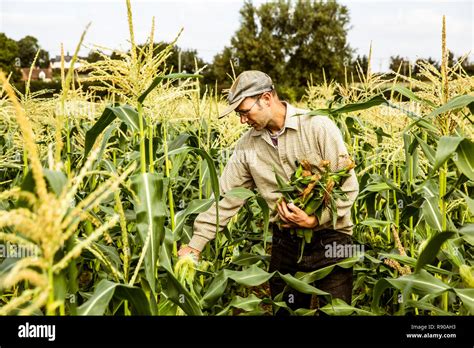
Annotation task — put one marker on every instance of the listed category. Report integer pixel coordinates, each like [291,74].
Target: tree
[220,67]
[400,64]
[28,47]
[8,56]
[291,40]
[468,66]
[180,59]
[93,56]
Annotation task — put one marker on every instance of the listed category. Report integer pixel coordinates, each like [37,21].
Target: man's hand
[294,217]
[183,251]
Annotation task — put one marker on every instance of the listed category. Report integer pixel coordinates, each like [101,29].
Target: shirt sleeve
[235,174]
[331,143]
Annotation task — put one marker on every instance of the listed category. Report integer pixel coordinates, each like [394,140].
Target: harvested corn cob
[314,192]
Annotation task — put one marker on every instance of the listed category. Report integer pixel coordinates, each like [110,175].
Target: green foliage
[8,53]
[27,49]
[290,41]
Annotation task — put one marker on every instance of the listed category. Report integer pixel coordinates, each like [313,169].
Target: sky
[410,29]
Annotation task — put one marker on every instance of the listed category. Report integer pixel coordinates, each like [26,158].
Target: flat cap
[247,84]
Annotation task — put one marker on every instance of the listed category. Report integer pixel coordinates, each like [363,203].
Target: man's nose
[243,119]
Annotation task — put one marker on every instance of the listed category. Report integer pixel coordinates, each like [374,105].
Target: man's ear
[268,98]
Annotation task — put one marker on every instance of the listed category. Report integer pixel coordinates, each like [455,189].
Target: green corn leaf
[447,146]
[464,158]
[215,290]
[151,214]
[432,248]
[196,206]
[339,307]
[301,286]
[457,102]
[375,223]
[180,296]
[305,312]
[376,187]
[409,94]
[248,304]
[252,276]
[166,251]
[427,150]
[266,218]
[467,233]
[379,289]
[352,107]
[422,282]
[105,290]
[55,179]
[467,298]
[432,213]
[425,306]
[323,272]
[248,259]
[127,114]
[469,202]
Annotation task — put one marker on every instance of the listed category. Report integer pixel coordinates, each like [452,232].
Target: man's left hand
[294,217]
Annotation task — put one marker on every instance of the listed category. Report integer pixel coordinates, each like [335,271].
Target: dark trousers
[285,254]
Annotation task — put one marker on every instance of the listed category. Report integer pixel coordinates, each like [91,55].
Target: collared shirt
[255,160]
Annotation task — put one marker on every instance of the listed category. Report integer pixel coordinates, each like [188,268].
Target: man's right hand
[183,251]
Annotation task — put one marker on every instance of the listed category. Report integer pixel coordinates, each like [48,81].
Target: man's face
[254,112]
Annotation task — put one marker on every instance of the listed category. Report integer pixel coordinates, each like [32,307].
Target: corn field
[98,194]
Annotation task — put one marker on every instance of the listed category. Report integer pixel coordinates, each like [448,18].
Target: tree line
[293,41]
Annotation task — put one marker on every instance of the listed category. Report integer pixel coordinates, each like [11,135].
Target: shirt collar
[290,120]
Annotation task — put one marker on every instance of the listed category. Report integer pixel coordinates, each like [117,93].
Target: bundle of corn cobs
[314,192]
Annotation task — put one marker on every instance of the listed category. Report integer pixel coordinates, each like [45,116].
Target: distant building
[41,74]
[56,62]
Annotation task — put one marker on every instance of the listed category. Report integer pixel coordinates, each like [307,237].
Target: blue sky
[409,28]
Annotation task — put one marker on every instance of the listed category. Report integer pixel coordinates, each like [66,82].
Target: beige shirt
[252,165]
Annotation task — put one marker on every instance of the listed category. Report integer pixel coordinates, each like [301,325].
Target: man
[276,141]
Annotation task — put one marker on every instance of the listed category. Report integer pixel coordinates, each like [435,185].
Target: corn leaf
[323,272]
[457,102]
[127,114]
[446,148]
[196,206]
[339,307]
[151,214]
[249,303]
[467,233]
[180,296]
[467,298]
[352,107]
[252,276]
[432,248]
[104,292]
[409,94]
[248,259]
[432,213]
[215,290]
[301,286]
[465,158]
